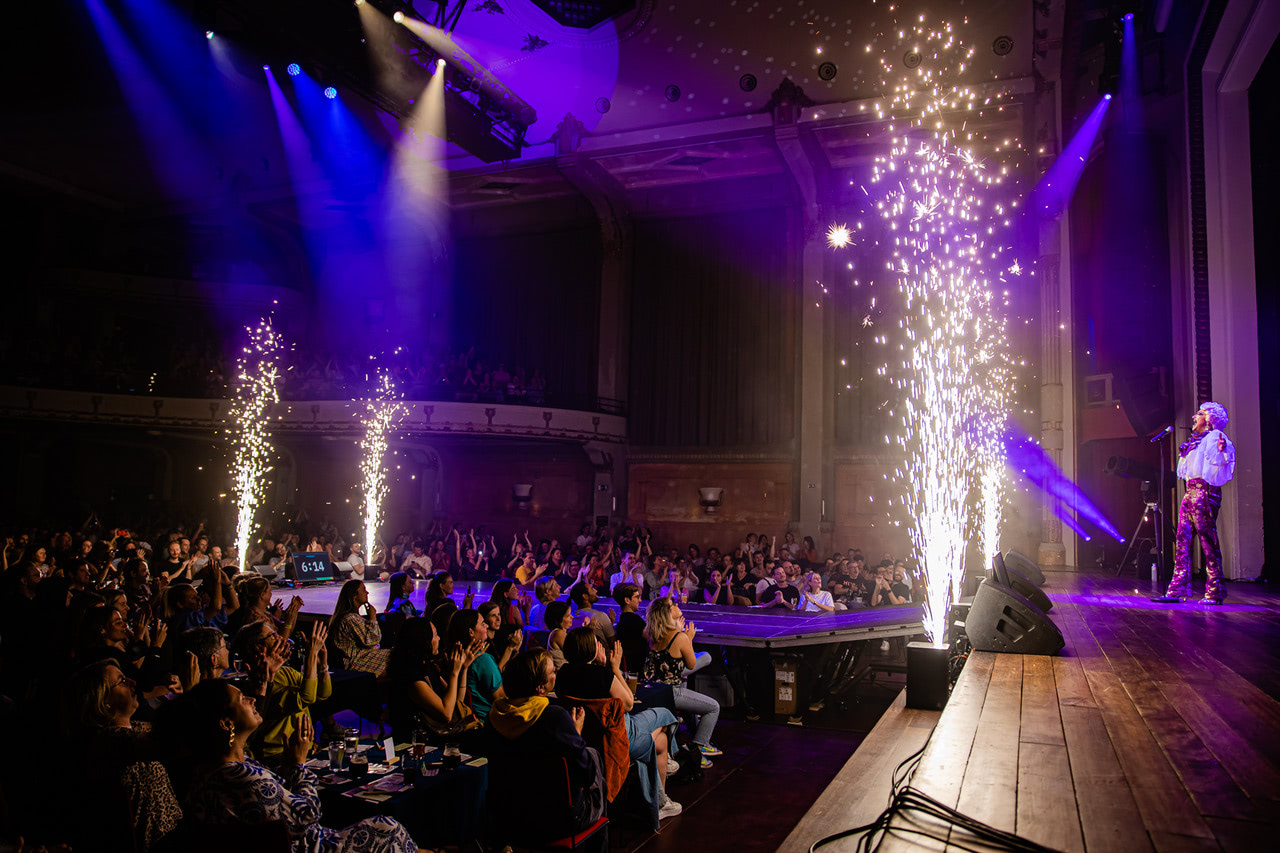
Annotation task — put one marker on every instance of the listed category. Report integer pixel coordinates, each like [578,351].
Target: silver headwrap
[1217,415]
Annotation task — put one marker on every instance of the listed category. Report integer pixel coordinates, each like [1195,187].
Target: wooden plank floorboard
[1047,812]
[1156,728]
[989,791]
[1041,721]
[1109,816]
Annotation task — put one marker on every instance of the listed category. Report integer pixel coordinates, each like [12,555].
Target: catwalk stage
[717,624]
[1156,728]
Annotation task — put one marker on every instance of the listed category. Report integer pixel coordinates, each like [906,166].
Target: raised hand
[579,716]
[299,746]
[468,598]
[615,657]
[162,634]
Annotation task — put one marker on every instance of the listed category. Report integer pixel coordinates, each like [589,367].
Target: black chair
[541,816]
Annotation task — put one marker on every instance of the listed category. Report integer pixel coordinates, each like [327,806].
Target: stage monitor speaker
[1023,564]
[1002,620]
[1018,582]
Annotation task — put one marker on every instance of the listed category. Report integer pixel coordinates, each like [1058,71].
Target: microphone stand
[1157,574]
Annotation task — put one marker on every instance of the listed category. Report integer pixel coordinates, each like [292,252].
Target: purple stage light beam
[1029,459]
[1053,193]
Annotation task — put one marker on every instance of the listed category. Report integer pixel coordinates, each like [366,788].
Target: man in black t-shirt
[778,593]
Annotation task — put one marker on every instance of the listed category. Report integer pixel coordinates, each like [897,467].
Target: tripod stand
[1150,511]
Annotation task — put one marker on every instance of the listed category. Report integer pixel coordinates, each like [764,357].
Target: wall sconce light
[709,497]
[522,494]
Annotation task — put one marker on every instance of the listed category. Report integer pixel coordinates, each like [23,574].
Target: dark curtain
[713,332]
[531,300]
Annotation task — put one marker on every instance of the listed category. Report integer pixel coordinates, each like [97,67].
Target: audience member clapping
[229,787]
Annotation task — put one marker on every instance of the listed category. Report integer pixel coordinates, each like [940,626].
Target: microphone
[1162,433]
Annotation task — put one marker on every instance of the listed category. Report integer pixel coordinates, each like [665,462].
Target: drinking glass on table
[359,766]
[452,756]
[418,746]
[351,737]
[337,755]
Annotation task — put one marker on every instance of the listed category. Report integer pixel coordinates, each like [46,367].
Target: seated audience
[671,656]
[284,695]
[510,601]
[545,591]
[124,800]
[401,587]
[630,627]
[229,787]
[254,594]
[429,689]
[882,593]
[582,598]
[525,725]
[814,597]
[559,620]
[776,592]
[208,646]
[591,673]
[484,679]
[358,636]
[716,590]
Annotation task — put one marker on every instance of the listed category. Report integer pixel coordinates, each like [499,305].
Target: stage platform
[746,627]
[1156,728]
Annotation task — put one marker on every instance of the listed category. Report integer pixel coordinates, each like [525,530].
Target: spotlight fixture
[1106,97]
[1127,16]
[266,68]
[1002,46]
[747,82]
[603,105]
[672,93]
[294,69]
[359,2]
[208,34]
[911,60]
[827,71]
[440,62]
[330,92]
[398,17]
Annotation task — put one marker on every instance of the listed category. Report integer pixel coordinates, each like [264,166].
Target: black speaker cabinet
[1018,582]
[1029,568]
[1002,620]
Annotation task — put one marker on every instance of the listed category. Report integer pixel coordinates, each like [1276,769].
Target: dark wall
[714,331]
[531,299]
[1266,224]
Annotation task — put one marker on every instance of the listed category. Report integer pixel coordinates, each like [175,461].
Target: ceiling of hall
[88,144]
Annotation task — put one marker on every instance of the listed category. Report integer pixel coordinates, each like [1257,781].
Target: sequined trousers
[1198,515]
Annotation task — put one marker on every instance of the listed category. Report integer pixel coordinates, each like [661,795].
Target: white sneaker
[673,766]
[669,809]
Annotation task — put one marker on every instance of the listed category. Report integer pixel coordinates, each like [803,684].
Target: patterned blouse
[358,638]
[247,792]
[661,668]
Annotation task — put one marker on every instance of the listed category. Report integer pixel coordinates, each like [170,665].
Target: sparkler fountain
[383,413]
[943,232]
[254,392]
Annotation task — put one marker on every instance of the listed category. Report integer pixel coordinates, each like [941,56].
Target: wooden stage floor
[1156,728]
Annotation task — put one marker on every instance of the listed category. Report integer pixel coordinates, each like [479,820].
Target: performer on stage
[1207,461]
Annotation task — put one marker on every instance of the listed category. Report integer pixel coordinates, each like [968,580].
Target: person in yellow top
[283,694]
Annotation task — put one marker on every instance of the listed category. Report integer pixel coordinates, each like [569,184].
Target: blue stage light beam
[1130,79]
[175,153]
[1053,193]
